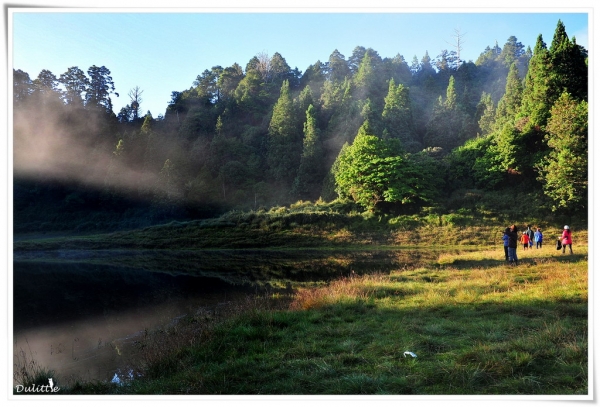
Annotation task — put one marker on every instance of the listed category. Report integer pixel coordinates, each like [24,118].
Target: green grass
[314,225]
[477,325]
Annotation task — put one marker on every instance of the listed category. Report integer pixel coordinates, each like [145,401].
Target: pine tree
[569,72]
[397,116]
[310,173]
[485,114]
[75,82]
[564,172]
[535,105]
[284,146]
[510,103]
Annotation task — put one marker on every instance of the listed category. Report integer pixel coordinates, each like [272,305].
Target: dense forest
[507,132]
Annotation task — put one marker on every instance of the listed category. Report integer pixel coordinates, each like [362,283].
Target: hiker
[567,239]
[505,240]
[513,239]
[525,240]
[538,237]
[530,234]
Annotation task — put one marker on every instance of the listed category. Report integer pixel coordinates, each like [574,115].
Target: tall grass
[27,371]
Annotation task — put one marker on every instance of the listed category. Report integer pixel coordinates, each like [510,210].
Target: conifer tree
[397,116]
[310,173]
[569,72]
[448,124]
[485,114]
[535,101]
[510,103]
[284,144]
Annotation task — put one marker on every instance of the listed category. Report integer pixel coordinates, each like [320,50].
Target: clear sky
[164,50]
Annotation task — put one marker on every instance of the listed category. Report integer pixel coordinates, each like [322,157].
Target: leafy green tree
[474,165]
[373,171]
[564,172]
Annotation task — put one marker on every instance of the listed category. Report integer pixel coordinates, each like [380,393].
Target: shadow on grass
[354,347]
[523,261]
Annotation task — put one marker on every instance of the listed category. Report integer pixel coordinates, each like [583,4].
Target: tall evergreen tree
[75,83]
[101,86]
[535,105]
[337,67]
[311,171]
[229,79]
[569,72]
[22,87]
[284,146]
[510,103]
[397,117]
[448,125]
[485,114]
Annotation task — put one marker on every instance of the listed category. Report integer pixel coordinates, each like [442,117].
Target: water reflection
[78,313]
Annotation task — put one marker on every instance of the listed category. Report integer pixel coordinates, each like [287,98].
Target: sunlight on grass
[476,324]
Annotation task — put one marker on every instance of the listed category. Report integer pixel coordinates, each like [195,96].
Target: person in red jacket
[525,240]
[567,239]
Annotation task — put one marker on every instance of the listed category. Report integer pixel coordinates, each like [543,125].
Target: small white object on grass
[410,354]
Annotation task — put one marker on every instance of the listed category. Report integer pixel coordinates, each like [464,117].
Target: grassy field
[477,325]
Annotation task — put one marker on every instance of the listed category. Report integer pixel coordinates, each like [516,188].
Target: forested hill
[506,132]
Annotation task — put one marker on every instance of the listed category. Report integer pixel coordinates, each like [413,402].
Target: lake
[79,313]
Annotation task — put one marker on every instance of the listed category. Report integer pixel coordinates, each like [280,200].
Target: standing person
[505,240]
[531,235]
[538,237]
[567,239]
[525,240]
[513,239]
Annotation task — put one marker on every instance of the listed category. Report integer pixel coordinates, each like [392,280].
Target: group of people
[528,238]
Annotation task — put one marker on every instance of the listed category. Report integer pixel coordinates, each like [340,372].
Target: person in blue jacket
[538,237]
[505,240]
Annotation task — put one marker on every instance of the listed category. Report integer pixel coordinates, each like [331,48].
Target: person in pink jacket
[567,239]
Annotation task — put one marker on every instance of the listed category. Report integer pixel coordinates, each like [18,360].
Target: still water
[79,313]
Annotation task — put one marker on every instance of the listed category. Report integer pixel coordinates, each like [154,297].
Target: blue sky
[163,51]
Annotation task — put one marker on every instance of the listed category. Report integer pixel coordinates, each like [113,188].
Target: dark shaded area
[68,285]
[50,293]
[44,206]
